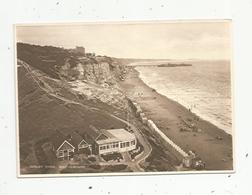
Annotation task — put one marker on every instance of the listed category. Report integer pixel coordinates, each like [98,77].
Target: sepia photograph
[123,98]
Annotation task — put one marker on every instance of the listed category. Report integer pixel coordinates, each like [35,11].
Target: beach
[212,144]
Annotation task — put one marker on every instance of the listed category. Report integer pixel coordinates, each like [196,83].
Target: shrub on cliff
[44,58]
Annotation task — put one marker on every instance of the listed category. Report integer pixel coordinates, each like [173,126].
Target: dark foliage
[134,154]
[112,156]
[44,58]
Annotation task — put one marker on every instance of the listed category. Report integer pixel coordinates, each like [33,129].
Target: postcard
[123,98]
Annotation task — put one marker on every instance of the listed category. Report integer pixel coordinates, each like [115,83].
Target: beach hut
[138,110]
[144,120]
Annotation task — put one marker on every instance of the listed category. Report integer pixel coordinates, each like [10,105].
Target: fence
[139,113]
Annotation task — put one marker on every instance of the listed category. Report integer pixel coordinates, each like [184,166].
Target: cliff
[60,63]
[92,78]
[99,70]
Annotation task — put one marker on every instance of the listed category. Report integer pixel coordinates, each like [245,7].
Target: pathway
[146,145]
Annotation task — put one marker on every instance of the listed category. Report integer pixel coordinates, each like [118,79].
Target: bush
[112,156]
[43,58]
[92,159]
[134,153]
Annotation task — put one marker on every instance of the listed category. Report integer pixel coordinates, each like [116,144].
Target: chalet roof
[106,133]
[92,135]
[57,138]
[74,138]
[121,134]
[108,137]
[89,134]
[103,136]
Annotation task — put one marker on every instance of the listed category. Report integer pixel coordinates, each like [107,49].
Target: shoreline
[205,118]
[213,145]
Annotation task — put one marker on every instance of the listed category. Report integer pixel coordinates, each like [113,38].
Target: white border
[125,173]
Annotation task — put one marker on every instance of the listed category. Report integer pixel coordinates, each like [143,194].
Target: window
[133,142]
[103,147]
[115,145]
[60,153]
[82,146]
[123,145]
[71,152]
[127,144]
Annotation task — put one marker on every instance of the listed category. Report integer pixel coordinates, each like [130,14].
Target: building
[114,140]
[65,146]
[90,54]
[92,141]
[80,50]
[80,144]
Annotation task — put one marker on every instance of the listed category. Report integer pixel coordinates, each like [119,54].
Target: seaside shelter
[115,140]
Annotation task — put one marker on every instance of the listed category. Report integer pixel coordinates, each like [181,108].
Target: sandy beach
[211,144]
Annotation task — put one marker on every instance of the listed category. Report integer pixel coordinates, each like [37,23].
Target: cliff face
[92,78]
[99,70]
[59,63]
[94,72]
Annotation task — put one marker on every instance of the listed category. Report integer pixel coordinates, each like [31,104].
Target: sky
[167,40]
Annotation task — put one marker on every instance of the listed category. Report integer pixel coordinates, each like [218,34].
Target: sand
[212,145]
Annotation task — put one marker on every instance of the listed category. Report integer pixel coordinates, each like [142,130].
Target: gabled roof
[101,137]
[89,134]
[74,138]
[106,137]
[65,141]
[106,133]
[57,139]
[85,142]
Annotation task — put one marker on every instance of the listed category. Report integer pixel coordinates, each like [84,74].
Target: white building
[115,140]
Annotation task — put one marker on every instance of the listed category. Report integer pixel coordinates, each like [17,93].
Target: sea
[204,87]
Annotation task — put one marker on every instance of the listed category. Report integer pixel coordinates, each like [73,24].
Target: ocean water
[204,87]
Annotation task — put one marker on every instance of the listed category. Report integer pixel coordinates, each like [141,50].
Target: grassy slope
[43,58]
[40,113]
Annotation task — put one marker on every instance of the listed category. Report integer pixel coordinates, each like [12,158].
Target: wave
[210,101]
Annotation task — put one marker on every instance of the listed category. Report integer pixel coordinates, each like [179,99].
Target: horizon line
[133,58]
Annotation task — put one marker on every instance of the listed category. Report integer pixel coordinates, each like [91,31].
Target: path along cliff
[43,84]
